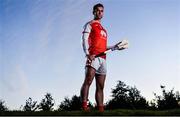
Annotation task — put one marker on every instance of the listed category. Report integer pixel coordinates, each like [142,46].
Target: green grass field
[122,112]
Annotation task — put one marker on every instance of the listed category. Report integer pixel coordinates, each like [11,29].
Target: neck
[97,20]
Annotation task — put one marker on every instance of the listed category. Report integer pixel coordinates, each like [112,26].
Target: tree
[70,104]
[135,99]
[47,103]
[30,105]
[168,100]
[152,105]
[75,103]
[119,95]
[124,96]
[65,105]
[3,106]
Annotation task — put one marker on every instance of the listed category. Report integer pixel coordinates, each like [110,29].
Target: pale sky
[41,51]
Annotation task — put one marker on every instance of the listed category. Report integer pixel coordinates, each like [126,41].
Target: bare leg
[100,80]
[87,82]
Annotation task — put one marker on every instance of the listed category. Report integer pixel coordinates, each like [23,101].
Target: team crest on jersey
[103,33]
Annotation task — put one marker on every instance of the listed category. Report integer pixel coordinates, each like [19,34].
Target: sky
[41,47]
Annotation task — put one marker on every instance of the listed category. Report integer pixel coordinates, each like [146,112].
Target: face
[98,13]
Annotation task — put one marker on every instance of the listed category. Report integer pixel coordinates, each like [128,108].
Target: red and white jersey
[94,38]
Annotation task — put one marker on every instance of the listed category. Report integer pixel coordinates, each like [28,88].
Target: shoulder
[88,24]
[87,27]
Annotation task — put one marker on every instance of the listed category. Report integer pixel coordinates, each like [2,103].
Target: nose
[100,12]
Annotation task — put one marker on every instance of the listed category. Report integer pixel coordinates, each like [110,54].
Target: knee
[88,82]
[100,88]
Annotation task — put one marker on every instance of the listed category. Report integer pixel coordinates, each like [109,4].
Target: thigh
[90,73]
[102,70]
[100,80]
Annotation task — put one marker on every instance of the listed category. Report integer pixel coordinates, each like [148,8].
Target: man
[94,42]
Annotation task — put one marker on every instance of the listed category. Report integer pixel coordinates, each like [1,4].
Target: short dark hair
[96,6]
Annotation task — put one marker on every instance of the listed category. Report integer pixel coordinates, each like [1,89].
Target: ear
[94,13]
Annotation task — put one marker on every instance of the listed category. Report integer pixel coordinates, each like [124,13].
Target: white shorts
[99,64]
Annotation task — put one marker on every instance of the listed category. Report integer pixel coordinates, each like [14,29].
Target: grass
[121,112]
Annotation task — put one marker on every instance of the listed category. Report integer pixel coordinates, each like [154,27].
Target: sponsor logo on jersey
[103,33]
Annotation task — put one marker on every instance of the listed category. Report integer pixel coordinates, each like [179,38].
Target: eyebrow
[100,10]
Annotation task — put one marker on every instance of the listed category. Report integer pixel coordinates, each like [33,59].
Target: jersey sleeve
[85,37]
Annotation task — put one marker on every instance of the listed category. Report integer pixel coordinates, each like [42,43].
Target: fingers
[93,57]
[90,58]
[88,62]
